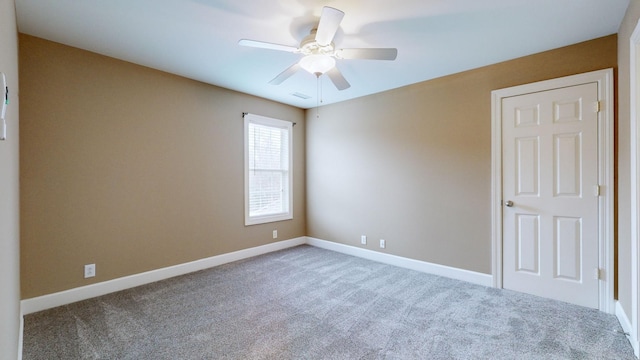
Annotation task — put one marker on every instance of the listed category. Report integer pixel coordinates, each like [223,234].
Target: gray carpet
[310,303]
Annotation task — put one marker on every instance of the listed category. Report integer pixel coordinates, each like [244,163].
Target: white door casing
[634,66]
[549,164]
[604,82]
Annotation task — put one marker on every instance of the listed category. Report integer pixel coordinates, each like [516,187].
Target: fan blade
[337,79]
[285,74]
[266,45]
[369,53]
[329,22]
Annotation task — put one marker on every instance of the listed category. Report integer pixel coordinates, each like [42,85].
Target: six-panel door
[550,174]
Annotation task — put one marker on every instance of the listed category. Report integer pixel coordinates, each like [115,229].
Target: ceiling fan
[320,53]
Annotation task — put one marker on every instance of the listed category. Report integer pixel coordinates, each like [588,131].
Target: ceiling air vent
[301,96]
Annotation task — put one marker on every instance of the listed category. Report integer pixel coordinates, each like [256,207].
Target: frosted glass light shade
[317,64]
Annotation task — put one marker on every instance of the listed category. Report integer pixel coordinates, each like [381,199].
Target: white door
[550,199]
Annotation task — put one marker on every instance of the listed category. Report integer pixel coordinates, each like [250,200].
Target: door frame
[634,117]
[604,78]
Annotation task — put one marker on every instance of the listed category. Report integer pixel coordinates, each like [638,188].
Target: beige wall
[413,165]
[9,191]
[624,186]
[132,169]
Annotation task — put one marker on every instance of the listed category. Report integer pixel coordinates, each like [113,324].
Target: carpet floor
[311,303]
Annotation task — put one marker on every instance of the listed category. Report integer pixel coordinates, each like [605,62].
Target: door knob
[509,203]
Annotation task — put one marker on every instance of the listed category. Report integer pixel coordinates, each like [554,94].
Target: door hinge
[598,274]
[596,190]
[597,106]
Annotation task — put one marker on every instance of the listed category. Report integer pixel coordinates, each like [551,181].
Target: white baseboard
[627,327]
[422,266]
[32,305]
[90,291]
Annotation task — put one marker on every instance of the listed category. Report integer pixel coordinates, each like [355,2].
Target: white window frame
[275,123]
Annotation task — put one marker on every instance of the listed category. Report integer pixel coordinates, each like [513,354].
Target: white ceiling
[198,39]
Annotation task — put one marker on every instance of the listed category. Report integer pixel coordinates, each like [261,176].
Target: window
[268,181]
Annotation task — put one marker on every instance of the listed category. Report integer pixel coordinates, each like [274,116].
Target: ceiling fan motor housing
[309,46]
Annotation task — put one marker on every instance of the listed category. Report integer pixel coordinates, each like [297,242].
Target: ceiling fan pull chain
[321,95]
[318,95]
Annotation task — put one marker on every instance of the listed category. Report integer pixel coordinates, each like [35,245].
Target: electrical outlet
[383,244]
[275,234]
[89,270]
[363,239]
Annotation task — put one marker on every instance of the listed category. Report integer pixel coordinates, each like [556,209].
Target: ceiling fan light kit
[317,64]
[319,51]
